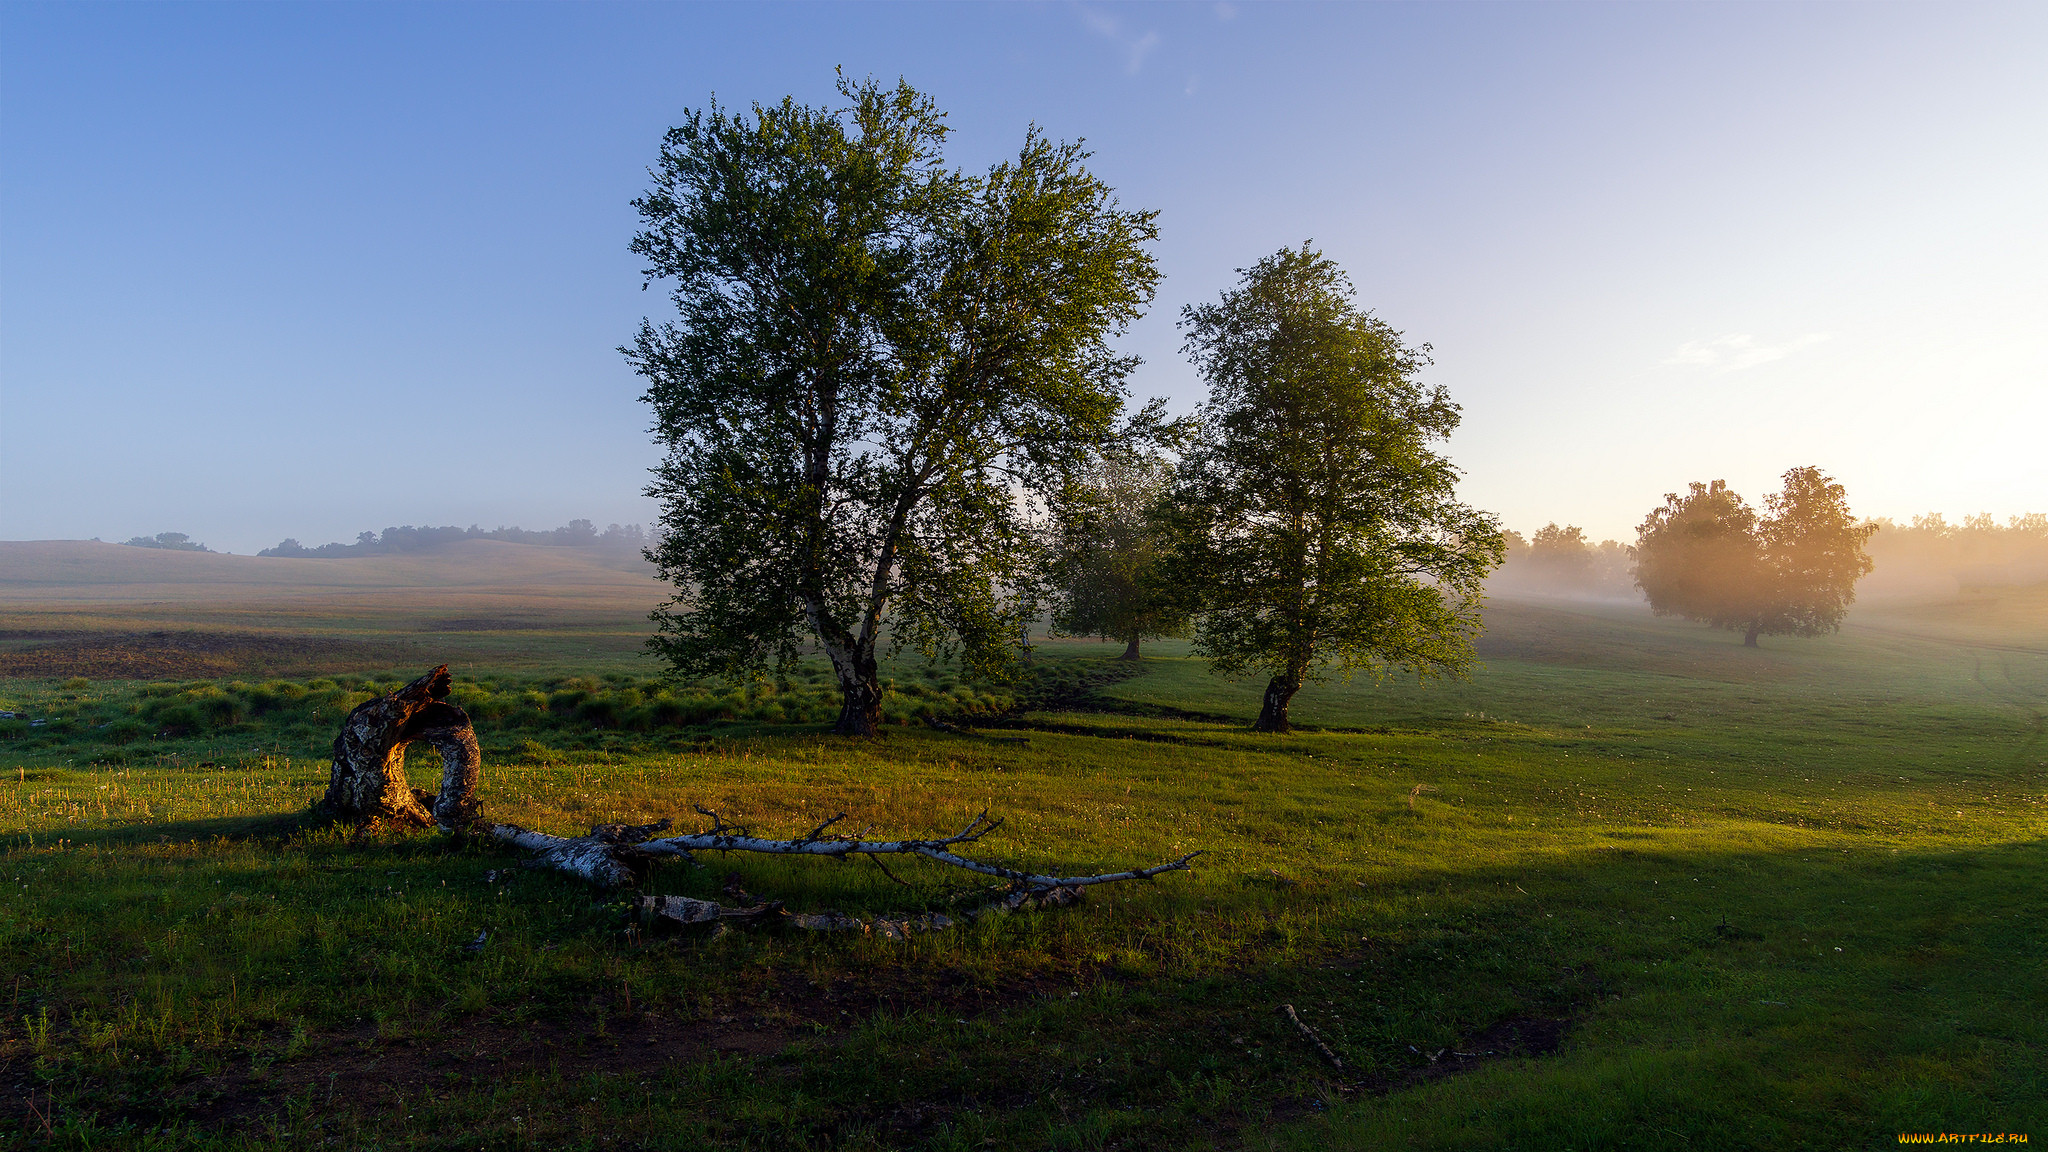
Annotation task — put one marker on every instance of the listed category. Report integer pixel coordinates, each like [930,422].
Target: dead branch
[1310,1033]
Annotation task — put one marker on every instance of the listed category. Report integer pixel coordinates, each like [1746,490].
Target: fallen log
[615,855]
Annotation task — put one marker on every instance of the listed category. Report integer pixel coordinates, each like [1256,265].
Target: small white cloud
[1225,11]
[1737,351]
[1194,83]
[1101,23]
[1136,47]
[1140,50]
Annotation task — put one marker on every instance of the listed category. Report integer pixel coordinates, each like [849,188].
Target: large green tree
[1707,556]
[1109,553]
[1317,524]
[875,362]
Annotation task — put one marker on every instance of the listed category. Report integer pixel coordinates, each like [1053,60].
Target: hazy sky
[271,270]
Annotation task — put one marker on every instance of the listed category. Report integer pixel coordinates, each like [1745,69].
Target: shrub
[602,711]
[178,720]
[126,732]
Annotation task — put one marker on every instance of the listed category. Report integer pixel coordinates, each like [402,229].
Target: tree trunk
[860,690]
[367,779]
[1273,711]
[1749,637]
[1130,650]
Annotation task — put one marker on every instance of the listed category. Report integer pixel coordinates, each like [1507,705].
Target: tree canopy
[1707,556]
[170,541]
[1109,572]
[876,362]
[1318,527]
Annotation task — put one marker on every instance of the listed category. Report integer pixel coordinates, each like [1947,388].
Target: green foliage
[169,541]
[1318,528]
[872,355]
[1560,555]
[1707,556]
[1109,572]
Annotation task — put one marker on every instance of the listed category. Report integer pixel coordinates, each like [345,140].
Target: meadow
[1630,886]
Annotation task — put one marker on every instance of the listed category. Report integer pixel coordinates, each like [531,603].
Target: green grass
[123,722]
[1685,894]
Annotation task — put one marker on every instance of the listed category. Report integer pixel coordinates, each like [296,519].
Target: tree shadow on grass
[1805,997]
[1620,995]
[274,826]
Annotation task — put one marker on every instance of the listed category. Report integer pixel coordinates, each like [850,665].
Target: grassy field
[1632,886]
[107,611]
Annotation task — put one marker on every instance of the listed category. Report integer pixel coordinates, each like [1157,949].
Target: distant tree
[1318,527]
[1707,556]
[169,541]
[406,538]
[1560,555]
[876,363]
[1109,554]
[623,536]
[1929,552]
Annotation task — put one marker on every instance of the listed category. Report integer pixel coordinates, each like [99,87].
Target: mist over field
[1017,577]
[1926,558]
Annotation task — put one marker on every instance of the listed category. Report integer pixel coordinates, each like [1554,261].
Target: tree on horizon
[1707,556]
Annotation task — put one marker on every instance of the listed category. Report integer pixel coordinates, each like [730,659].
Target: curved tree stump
[367,781]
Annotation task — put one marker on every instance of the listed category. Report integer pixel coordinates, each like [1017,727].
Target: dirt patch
[186,655]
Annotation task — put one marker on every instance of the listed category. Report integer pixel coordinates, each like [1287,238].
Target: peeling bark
[604,857]
[860,709]
[855,667]
[367,778]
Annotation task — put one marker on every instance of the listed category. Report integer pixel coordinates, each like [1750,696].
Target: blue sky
[277,270]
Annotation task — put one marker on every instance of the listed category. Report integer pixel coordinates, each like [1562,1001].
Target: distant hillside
[80,608]
[77,569]
[574,534]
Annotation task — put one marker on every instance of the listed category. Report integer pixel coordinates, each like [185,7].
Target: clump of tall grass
[110,716]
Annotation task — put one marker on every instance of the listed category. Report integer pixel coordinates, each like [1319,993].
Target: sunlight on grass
[1805,913]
